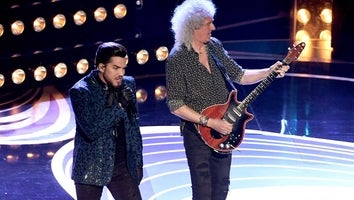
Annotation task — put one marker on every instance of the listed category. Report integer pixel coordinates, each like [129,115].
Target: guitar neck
[258,90]
[293,54]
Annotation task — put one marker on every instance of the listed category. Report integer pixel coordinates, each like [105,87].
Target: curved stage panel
[266,164]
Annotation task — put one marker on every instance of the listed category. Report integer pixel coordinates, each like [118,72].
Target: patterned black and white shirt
[189,82]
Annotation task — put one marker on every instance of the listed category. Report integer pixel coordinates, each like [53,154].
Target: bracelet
[203,120]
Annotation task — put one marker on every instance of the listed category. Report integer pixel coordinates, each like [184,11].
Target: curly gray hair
[189,16]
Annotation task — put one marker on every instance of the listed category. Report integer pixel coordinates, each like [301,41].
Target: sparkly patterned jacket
[94,149]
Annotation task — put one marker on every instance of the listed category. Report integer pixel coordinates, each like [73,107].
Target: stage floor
[298,146]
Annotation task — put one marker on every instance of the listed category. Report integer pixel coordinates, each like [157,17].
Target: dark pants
[209,170]
[122,186]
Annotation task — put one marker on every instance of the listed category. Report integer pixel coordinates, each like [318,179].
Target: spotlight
[59,21]
[1,30]
[139,4]
[162,53]
[2,80]
[80,17]
[100,14]
[141,95]
[82,66]
[120,11]
[303,16]
[160,93]
[326,15]
[60,70]
[18,76]
[39,24]
[40,73]
[142,56]
[17,27]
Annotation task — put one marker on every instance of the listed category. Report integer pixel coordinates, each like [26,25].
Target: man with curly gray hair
[195,83]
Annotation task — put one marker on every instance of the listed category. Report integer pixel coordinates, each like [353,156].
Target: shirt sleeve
[174,80]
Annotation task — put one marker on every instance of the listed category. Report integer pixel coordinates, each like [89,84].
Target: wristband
[203,120]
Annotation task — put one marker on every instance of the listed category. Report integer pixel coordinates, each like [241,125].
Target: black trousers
[209,170]
[122,186]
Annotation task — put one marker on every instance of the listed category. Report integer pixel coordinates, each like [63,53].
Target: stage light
[2,80]
[39,24]
[326,15]
[326,35]
[17,27]
[60,70]
[100,14]
[82,66]
[313,26]
[18,76]
[120,11]
[302,35]
[40,73]
[303,16]
[1,30]
[141,96]
[160,93]
[142,57]
[162,53]
[80,17]
[59,21]
[139,4]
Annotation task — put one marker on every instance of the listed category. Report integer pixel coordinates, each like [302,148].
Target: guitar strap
[223,71]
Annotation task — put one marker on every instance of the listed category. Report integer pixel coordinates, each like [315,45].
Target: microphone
[128,98]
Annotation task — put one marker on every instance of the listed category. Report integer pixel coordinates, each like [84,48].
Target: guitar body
[232,112]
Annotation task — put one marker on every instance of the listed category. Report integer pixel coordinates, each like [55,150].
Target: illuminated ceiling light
[326,15]
[39,24]
[17,27]
[2,80]
[1,30]
[80,17]
[59,21]
[141,95]
[302,35]
[120,11]
[142,56]
[160,93]
[100,14]
[82,66]
[303,16]
[60,70]
[18,76]
[40,73]
[162,53]
[326,35]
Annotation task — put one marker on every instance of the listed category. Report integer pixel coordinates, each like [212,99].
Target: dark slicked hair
[107,50]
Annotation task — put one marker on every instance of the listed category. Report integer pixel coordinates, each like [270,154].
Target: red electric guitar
[236,112]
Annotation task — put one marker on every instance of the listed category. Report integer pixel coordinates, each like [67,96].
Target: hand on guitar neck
[280,68]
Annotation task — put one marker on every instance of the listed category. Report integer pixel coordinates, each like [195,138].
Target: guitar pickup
[232,118]
[236,111]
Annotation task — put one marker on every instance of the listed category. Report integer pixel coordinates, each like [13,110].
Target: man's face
[113,72]
[203,34]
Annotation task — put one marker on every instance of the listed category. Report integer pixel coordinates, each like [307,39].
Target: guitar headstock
[294,53]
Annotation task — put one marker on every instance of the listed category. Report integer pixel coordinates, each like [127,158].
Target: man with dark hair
[108,143]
